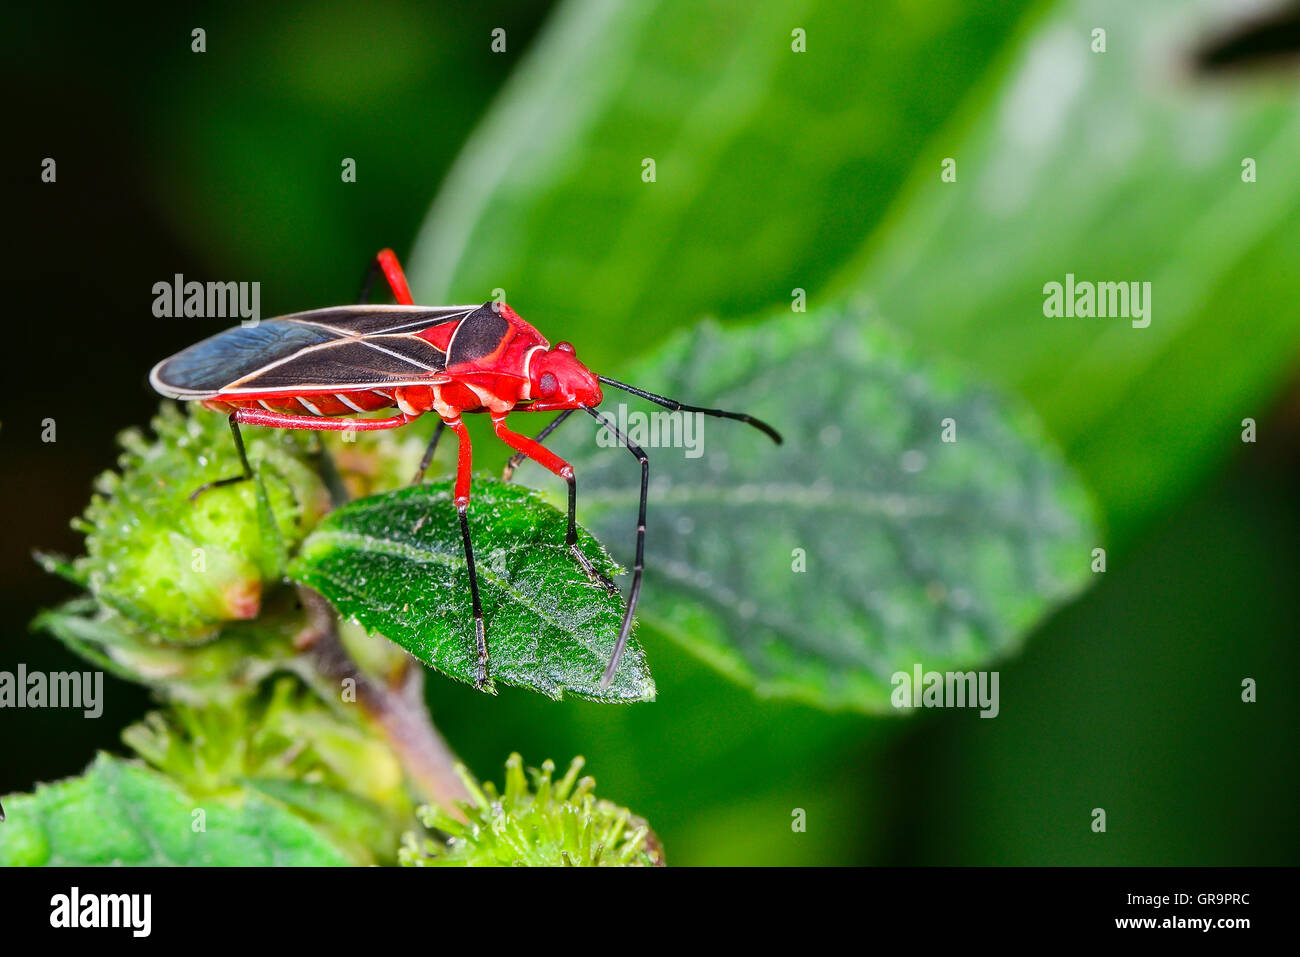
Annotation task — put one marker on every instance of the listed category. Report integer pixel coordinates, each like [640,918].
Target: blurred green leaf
[770,164]
[121,814]
[361,826]
[396,564]
[1115,166]
[246,652]
[773,166]
[916,549]
[1151,659]
[284,732]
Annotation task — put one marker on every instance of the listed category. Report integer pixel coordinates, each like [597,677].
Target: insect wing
[325,350]
[374,320]
[480,336]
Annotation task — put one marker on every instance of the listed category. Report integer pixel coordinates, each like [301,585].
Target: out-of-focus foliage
[247,652]
[288,745]
[287,733]
[582,168]
[911,515]
[1117,166]
[773,166]
[122,814]
[770,164]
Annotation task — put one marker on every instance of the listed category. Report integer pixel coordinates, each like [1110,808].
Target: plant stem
[397,708]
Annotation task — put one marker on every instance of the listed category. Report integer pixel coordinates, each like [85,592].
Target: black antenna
[638,566]
[676,406]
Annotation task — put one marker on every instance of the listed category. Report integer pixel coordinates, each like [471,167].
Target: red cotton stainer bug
[317,370]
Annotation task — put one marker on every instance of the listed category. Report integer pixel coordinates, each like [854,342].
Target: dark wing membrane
[478,336]
[371,320]
[359,346]
[348,363]
[210,365]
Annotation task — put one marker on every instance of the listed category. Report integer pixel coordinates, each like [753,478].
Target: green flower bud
[550,824]
[285,732]
[183,567]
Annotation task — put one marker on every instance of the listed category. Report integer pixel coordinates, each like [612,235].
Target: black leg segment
[243,460]
[372,268]
[571,542]
[427,457]
[639,566]
[480,634]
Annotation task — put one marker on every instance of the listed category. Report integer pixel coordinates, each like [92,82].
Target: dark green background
[226,165]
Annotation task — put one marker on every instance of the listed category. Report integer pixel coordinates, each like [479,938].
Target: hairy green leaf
[862,546]
[395,563]
[246,653]
[360,826]
[121,814]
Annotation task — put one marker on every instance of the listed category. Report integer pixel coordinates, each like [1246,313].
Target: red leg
[517,459]
[386,261]
[463,461]
[278,420]
[531,448]
[281,421]
[462,508]
[553,463]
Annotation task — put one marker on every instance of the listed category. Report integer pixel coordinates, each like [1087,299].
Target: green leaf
[779,170]
[246,652]
[917,550]
[1122,166]
[770,164]
[364,828]
[121,814]
[395,563]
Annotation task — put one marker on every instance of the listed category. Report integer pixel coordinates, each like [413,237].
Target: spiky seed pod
[545,823]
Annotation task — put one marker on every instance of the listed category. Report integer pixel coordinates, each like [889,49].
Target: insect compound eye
[565,347]
[546,384]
